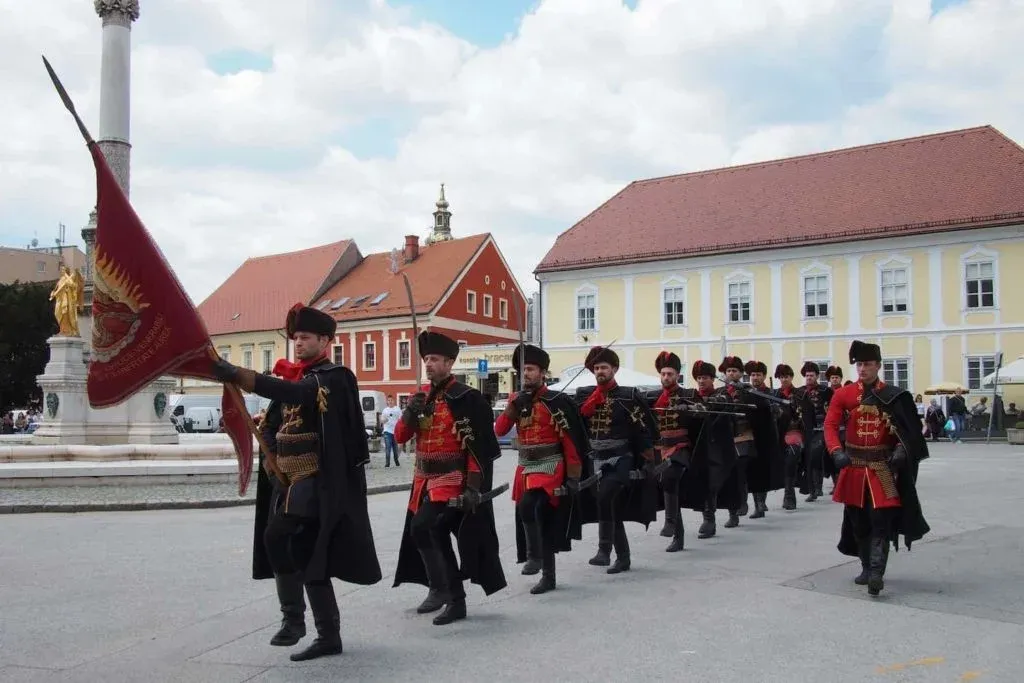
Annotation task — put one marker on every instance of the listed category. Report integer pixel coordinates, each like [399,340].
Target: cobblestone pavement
[130,497]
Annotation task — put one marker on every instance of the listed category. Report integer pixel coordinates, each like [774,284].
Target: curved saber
[414,346]
[520,324]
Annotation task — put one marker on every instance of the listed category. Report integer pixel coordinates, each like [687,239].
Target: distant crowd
[20,422]
[956,419]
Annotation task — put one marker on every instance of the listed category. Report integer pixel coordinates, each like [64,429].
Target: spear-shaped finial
[67,101]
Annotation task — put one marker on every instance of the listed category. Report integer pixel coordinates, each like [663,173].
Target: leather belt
[607,444]
[540,451]
[870,453]
[448,462]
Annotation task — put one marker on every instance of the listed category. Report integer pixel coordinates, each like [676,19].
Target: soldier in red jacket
[877,465]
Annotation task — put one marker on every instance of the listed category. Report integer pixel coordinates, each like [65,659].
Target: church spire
[442,220]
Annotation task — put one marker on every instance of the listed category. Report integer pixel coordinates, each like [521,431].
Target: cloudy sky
[259,129]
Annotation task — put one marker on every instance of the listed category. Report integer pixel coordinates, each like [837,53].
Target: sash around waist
[869,454]
[539,451]
[608,444]
[439,463]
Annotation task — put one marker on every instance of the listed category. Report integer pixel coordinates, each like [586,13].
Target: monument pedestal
[68,418]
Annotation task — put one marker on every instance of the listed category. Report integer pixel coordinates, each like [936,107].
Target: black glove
[224,371]
[414,408]
[572,485]
[523,403]
[898,459]
[470,499]
[841,459]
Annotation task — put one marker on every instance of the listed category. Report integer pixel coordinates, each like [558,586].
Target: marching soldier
[834,377]
[765,466]
[743,433]
[552,446]
[671,406]
[791,427]
[455,451]
[877,466]
[813,399]
[622,431]
[713,481]
[317,524]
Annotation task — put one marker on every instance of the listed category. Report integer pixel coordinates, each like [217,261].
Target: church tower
[442,220]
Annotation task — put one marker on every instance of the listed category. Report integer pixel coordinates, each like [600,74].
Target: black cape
[477,537]
[713,465]
[567,521]
[765,471]
[814,436]
[344,546]
[643,500]
[909,522]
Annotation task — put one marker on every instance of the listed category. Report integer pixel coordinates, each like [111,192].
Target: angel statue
[68,296]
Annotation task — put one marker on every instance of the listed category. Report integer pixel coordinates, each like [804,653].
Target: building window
[404,356]
[816,295]
[369,355]
[40,266]
[977,368]
[488,306]
[739,302]
[224,352]
[502,309]
[897,372]
[980,284]
[895,290]
[247,358]
[338,354]
[268,358]
[462,343]
[470,301]
[674,305]
[586,312]
[403,400]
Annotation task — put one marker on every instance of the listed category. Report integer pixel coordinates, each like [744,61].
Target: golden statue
[68,296]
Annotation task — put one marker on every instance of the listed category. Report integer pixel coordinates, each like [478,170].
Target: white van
[202,419]
[373,403]
[180,405]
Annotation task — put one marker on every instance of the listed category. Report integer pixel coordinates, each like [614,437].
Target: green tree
[26,322]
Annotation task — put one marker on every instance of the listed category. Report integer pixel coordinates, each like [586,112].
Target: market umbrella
[1008,374]
[945,388]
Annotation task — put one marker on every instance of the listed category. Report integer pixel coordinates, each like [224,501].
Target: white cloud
[529,135]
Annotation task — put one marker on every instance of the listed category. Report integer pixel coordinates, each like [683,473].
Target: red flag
[144,326]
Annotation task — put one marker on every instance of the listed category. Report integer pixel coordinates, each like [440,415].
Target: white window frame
[334,353]
[979,255]
[816,269]
[470,301]
[893,361]
[488,306]
[586,289]
[398,400]
[224,352]
[502,309]
[248,357]
[461,342]
[267,357]
[739,277]
[398,354]
[674,282]
[894,263]
[40,266]
[981,358]
[367,344]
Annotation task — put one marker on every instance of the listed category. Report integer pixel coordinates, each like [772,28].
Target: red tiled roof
[953,180]
[430,276]
[258,295]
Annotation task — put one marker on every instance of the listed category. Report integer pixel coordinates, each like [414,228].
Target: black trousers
[671,477]
[793,455]
[432,528]
[610,489]
[868,522]
[538,521]
[290,540]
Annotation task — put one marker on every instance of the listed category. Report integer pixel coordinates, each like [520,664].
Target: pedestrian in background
[389,417]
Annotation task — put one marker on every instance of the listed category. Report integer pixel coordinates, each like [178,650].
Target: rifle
[756,392]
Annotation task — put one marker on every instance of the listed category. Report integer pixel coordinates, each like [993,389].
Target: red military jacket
[541,430]
[867,427]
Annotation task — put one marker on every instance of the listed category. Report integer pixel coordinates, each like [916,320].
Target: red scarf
[706,392]
[596,399]
[292,371]
[786,391]
[664,399]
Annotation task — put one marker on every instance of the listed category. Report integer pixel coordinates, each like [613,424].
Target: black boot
[813,479]
[533,562]
[454,610]
[327,620]
[605,532]
[707,528]
[621,550]
[818,482]
[293,607]
[433,562]
[864,547]
[547,577]
[760,505]
[677,538]
[671,504]
[878,558]
[789,497]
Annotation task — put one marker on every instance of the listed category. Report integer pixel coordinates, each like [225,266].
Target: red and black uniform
[812,403]
[455,451]
[552,447]
[792,431]
[877,467]
[676,429]
[622,432]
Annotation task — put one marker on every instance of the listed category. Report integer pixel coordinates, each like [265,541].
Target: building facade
[37,264]
[909,244]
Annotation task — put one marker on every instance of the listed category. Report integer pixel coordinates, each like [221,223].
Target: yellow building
[917,245]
